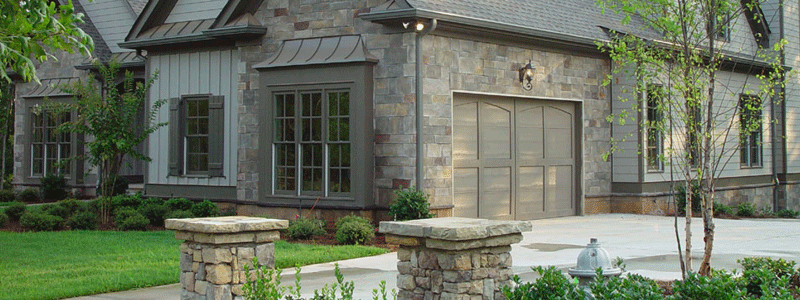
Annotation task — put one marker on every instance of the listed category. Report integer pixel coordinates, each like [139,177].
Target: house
[280,105]
[38,150]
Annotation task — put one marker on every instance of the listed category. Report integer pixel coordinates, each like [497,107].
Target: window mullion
[298,149]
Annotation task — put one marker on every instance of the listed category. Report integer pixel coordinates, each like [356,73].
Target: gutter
[419,105]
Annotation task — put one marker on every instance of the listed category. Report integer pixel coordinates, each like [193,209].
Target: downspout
[418,99]
[782,98]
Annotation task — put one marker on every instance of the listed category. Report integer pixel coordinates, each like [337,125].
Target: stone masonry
[453,258]
[216,250]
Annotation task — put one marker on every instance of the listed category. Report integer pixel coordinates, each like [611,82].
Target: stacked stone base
[217,272]
[433,274]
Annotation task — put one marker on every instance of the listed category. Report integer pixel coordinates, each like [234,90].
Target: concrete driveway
[647,245]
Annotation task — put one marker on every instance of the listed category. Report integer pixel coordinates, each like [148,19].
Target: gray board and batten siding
[208,71]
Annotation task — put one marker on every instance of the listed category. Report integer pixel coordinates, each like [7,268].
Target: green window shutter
[216,135]
[175,138]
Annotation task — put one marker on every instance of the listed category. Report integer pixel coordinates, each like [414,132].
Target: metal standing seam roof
[52,88]
[315,51]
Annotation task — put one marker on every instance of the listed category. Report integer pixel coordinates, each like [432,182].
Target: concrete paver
[647,245]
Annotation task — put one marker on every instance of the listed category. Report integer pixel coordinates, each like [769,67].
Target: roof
[101,49]
[157,27]
[128,59]
[52,88]
[575,20]
[316,51]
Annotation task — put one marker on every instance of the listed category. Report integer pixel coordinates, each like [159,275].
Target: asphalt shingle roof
[582,18]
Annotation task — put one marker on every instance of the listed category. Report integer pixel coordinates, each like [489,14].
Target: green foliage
[15,210]
[351,218]
[29,195]
[54,187]
[179,204]
[129,201]
[40,221]
[7,196]
[680,196]
[85,220]
[3,217]
[179,214]
[380,293]
[411,204]
[722,209]
[133,222]
[787,213]
[633,286]
[124,212]
[551,285]
[303,228]
[117,185]
[266,284]
[720,285]
[33,30]
[354,233]
[746,209]
[55,210]
[205,209]
[154,212]
[71,206]
[765,276]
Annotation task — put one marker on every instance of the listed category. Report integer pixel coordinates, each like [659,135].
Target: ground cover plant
[92,262]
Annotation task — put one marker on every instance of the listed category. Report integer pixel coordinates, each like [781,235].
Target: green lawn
[54,265]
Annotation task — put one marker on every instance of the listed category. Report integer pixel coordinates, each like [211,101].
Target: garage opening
[514,158]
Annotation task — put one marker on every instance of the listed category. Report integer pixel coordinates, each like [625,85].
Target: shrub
[85,220]
[155,213]
[354,232]
[55,210]
[72,206]
[205,209]
[722,209]
[634,286]
[746,209]
[3,217]
[787,213]
[680,196]
[551,285]
[117,184]
[303,228]
[765,272]
[719,285]
[7,196]
[29,195]
[129,201]
[135,221]
[39,221]
[410,205]
[15,210]
[179,204]
[179,214]
[54,187]
[351,218]
[153,200]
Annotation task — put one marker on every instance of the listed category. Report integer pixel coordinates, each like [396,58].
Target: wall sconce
[526,75]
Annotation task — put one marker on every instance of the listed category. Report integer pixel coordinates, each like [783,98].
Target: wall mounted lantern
[526,75]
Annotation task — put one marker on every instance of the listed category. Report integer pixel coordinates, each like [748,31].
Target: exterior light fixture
[526,75]
[420,26]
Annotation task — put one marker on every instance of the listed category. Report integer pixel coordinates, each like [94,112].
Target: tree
[682,55]
[110,115]
[30,29]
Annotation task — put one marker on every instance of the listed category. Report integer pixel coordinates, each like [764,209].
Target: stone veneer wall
[661,204]
[449,64]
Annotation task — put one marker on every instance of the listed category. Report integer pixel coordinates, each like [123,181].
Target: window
[750,131]
[719,27]
[312,142]
[654,123]
[50,149]
[196,136]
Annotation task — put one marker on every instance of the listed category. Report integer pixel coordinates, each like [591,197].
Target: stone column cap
[454,229]
[231,224]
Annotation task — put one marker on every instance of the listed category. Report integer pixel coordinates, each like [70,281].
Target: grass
[55,265]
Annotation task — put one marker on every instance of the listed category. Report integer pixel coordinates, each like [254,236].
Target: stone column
[453,258]
[215,251]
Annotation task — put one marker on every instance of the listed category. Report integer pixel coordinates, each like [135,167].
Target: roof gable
[167,22]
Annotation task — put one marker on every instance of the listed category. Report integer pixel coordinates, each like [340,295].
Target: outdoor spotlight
[420,26]
[526,75]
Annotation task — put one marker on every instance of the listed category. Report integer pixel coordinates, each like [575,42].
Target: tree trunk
[688,250]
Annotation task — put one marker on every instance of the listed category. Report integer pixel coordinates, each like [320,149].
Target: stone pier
[453,258]
[215,251]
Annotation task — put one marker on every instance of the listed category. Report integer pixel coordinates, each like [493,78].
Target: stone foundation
[453,258]
[216,249]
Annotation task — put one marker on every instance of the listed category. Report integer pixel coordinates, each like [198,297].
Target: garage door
[513,158]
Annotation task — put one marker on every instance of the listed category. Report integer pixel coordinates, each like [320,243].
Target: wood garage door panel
[520,165]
